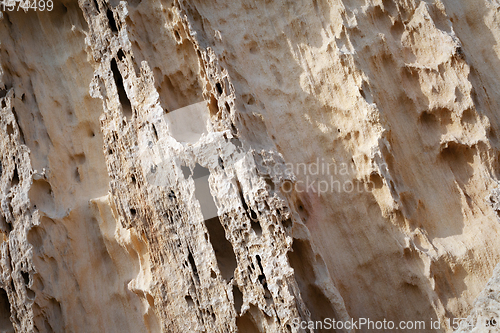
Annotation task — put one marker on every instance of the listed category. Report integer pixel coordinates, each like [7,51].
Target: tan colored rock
[224,166]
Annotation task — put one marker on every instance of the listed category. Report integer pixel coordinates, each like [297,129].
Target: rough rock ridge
[163,164]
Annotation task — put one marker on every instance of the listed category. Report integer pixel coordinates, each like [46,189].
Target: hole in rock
[177,36]
[223,249]
[171,195]
[238,299]
[236,142]
[8,227]
[226,260]
[256,227]
[111,19]
[31,294]
[253,214]
[263,281]
[189,300]
[5,323]
[242,198]
[234,130]
[10,129]
[213,106]
[122,94]
[262,277]
[15,177]
[41,196]
[193,265]
[26,278]
[287,223]
[21,133]
[269,182]
[96,6]
[120,54]
[246,324]
[219,88]
[155,133]
[376,181]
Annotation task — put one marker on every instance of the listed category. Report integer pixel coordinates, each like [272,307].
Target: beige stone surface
[240,166]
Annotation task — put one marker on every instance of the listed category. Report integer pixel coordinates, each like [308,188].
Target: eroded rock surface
[225,166]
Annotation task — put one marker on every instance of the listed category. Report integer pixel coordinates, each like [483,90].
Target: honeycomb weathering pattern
[146,149]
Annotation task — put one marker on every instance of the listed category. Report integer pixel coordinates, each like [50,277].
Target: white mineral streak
[162,164]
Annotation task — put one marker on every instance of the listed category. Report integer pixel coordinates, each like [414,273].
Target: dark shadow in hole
[122,94]
[193,265]
[21,133]
[219,88]
[111,19]
[238,299]
[5,323]
[256,227]
[26,278]
[155,133]
[226,260]
[189,300]
[120,54]
[15,177]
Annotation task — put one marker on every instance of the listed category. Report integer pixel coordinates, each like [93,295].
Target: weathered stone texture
[146,146]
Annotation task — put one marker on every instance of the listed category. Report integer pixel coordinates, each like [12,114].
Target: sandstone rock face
[244,166]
